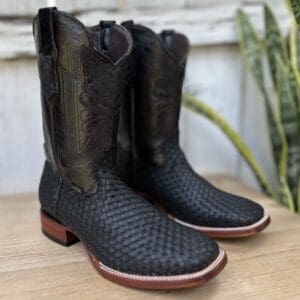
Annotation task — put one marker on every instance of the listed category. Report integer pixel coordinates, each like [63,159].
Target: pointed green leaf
[274,129]
[286,103]
[251,49]
[294,47]
[274,42]
[298,197]
[252,52]
[288,116]
[282,170]
[286,195]
[295,4]
[295,88]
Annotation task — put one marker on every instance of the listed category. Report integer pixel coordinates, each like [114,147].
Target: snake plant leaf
[282,170]
[200,107]
[252,52]
[294,48]
[286,195]
[274,41]
[286,102]
[251,48]
[295,4]
[295,88]
[277,139]
[284,63]
[298,197]
[288,116]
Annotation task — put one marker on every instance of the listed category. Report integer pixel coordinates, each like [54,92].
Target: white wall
[215,73]
[21,153]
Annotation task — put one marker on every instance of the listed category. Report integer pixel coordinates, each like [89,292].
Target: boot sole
[219,232]
[59,233]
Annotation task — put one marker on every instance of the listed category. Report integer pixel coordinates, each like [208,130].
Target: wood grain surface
[33,267]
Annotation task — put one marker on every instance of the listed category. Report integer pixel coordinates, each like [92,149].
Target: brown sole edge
[232,232]
[62,235]
[163,282]
[219,232]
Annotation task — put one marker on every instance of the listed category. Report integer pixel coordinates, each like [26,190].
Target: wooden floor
[33,267]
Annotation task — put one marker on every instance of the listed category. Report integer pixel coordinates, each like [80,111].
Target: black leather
[156,84]
[47,57]
[190,197]
[149,156]
[123,230]
[120,228]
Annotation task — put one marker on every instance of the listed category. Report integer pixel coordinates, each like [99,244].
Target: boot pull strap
[106,31]
[47,49]
[127,23]
[46,41]
[167,37]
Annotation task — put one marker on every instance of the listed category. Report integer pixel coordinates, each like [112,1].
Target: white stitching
[225,229]
[203,272]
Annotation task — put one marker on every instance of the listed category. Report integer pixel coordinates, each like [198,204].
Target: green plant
[283,114]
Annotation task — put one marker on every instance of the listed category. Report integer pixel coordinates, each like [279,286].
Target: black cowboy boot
[82,72]
[149,156]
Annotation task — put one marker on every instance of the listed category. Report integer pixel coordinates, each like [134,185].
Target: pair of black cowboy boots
[90,78]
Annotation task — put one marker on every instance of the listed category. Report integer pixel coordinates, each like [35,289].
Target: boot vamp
[128,234]
[191,198]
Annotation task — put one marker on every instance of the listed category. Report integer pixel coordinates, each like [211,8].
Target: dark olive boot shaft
[83,73]
[149,156]
[76,109]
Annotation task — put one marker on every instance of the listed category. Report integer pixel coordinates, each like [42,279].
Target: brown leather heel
[56,231]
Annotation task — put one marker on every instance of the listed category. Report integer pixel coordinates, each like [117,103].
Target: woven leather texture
[190,197]
[124,231]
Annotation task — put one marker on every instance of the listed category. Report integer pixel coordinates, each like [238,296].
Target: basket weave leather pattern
[124,231]
[190,197]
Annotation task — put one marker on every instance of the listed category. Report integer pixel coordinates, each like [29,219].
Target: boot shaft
[82,72]
[150,114]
